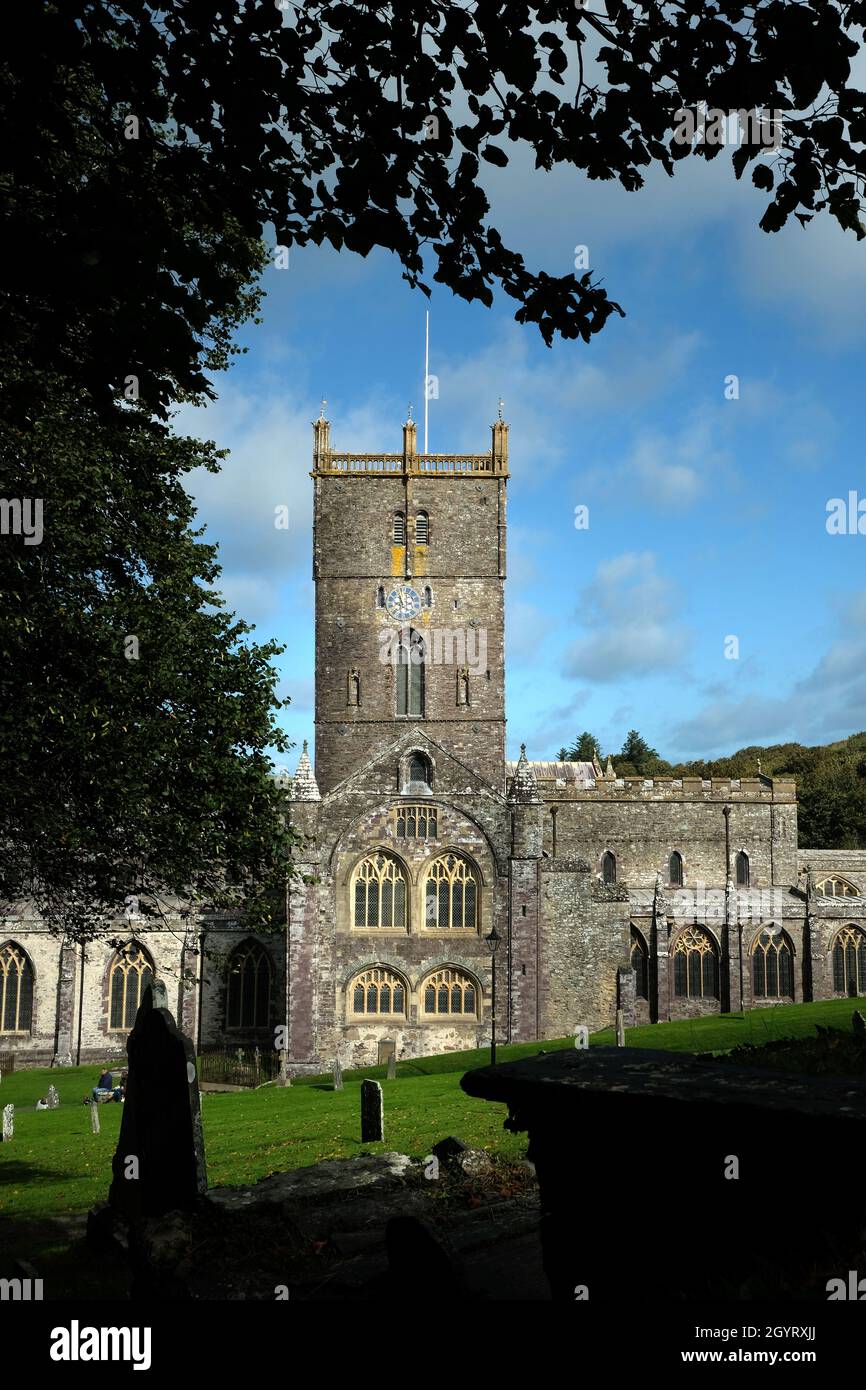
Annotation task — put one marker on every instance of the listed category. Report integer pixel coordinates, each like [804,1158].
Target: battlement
[579,787]
[328,462]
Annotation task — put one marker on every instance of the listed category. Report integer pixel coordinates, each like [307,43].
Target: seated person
[104,1086]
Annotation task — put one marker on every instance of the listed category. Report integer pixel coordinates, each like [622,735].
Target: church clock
[403,602]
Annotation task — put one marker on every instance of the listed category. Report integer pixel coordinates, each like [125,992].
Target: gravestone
[392,1066]
[581,1040]
[620,1029]
[284,1078]
[94,1116]
[338,1075]
[859,1023]
[159,1164]
[52,1097]
[387,1047]
[372,1113]
[8,1122]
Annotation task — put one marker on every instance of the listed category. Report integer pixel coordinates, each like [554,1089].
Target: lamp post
[492,942]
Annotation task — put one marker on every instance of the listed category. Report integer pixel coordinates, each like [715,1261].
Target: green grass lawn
[55,1167]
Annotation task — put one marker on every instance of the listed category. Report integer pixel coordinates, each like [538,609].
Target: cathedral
[441,893]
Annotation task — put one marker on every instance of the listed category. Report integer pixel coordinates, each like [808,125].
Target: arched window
[380,596]
[696,965]
[379,893]
[420,772]
[377,991]
[772,966]
[428,596]
[742,869]
[640,964]
[422,528]
[130,974]
[836,888]
[451,895]
[608,867]
[675,870]
[250,984]
[449,992]
[399,531]
[411,657]
[16,989]
[849,961]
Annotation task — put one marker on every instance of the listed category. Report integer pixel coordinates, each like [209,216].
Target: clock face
[403,602]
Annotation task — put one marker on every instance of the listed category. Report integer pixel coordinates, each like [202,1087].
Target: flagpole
[426,374]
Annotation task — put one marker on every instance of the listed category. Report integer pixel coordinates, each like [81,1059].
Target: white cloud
[628,612]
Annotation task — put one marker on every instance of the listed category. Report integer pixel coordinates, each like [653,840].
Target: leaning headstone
[338,1075]
[620,1028]
[94,1116]
[372,1113]
[8,1122]
[392,1066]
[159,1164]
[859,1023]
[52,1097]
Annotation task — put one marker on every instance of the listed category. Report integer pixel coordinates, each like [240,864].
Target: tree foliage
[637,755]
[584,748]
[137,714]
[362,127]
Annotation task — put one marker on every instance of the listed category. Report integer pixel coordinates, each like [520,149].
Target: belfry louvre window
[608,867]
[849,961]
[743,872]
[399,529]
[696,966]
[377,991]
[675,869]
[250,982]
[416,822]
[772,967]
[409,671]
[640,964]
[451,895]
[16,990]
[131,973]
[422,528]
[836,888]
[449,992]
[379,893]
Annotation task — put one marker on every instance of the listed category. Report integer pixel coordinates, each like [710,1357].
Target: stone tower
[409,568]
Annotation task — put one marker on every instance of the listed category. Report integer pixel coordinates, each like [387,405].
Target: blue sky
[707,515]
